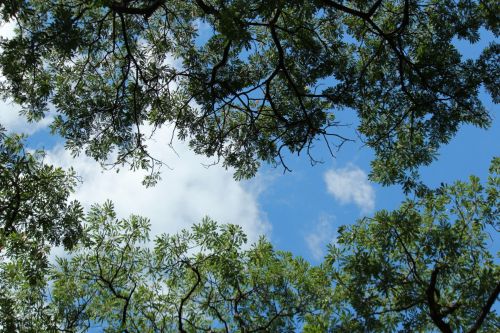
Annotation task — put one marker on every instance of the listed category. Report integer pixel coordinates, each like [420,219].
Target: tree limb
[486,309]
[434,307]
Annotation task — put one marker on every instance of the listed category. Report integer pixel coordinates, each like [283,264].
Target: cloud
[14,122]
[7,29]
[322,235]
[351,185]
[185,194]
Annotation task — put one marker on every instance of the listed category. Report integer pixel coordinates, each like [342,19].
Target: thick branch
[374,8]
[222,63]
[122,8]
[186,298]
[434,307]
[486,309]
[208,9]
[347,10]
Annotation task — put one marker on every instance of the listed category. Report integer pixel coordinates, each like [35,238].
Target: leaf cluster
[35,214]
[246,82]
[426,266]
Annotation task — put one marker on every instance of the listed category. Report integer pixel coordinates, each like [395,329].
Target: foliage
[35,214]
[35,210]
[22,298]
[427,266]
[196,281]
[424,267]
[245,81]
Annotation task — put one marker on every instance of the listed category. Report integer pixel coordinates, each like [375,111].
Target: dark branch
[191,291]
[122,8]
[486,309]
[434,307]
[346,9]
[208,9]
[374,8]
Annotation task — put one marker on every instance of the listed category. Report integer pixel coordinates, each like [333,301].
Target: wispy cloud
[14,122]
[351,185]
[322,234]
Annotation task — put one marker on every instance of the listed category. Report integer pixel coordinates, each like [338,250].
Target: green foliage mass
[35,211]
[245,81]
[200,280]
[427,266]
[35,214]
[424,267]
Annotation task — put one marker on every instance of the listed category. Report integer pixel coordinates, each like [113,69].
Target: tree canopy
[424,267]
[35,214]
[246,81]
[199,280]
[35,210]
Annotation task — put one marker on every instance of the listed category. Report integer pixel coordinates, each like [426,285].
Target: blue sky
[299,210]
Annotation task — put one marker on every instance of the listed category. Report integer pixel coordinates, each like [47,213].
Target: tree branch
[122,8]
[434,307]
[191,291]
[486,309]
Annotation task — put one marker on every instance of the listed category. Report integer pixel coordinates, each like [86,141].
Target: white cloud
[7,29]
[351,185]
[322,234]
[17,123]
[185,194]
